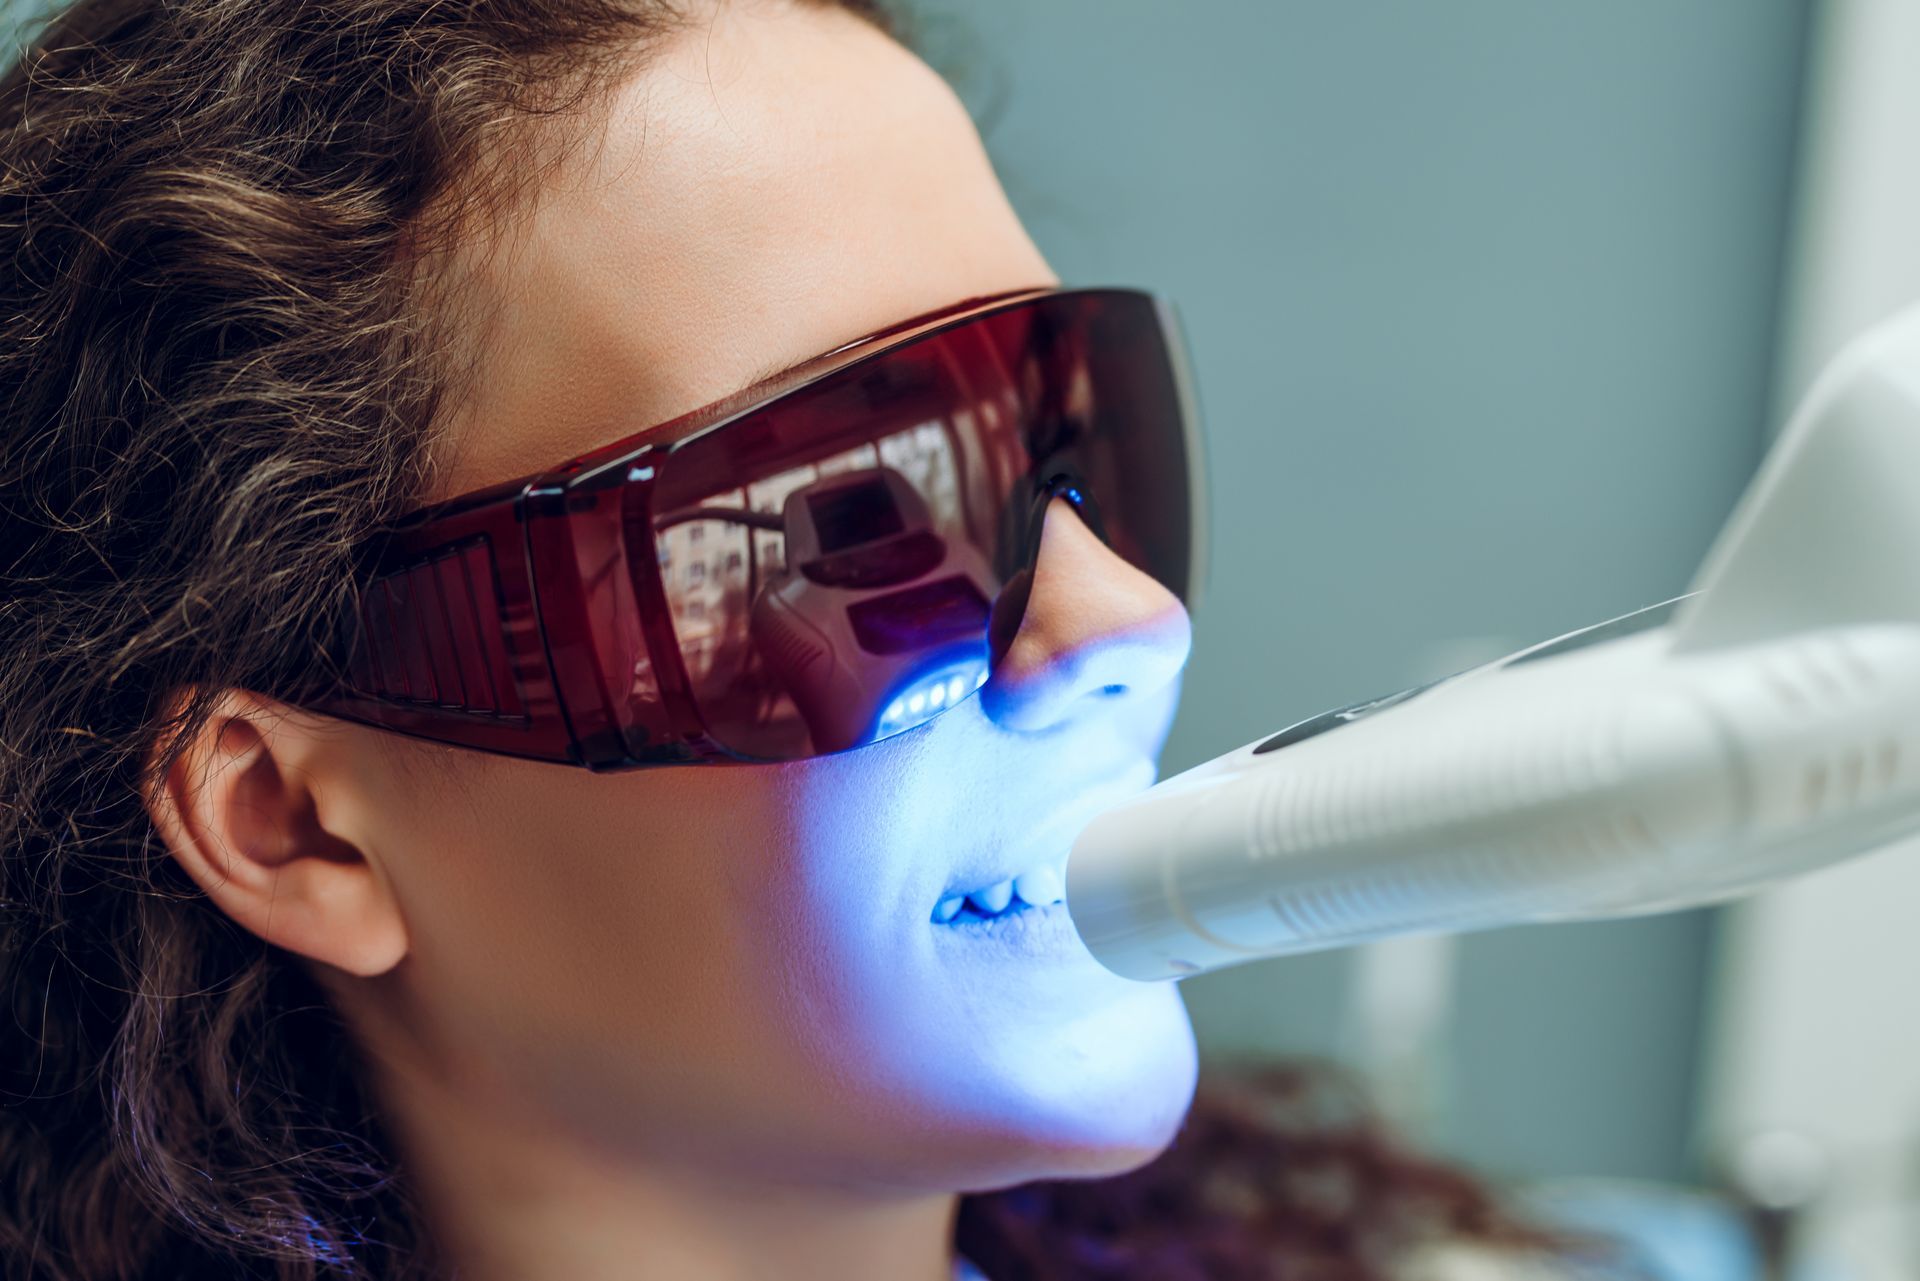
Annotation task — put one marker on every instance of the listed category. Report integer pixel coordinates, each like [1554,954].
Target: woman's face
[740,963]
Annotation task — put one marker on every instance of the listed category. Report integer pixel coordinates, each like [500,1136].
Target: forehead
[779,179]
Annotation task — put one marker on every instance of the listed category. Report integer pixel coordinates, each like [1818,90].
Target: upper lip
[1046,843]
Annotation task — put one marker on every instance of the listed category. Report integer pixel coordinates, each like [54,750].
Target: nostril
[1113,689]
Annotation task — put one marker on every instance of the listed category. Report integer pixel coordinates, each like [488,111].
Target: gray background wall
[1482,301]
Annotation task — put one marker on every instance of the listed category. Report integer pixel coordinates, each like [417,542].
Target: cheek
[704,957]
[596,940]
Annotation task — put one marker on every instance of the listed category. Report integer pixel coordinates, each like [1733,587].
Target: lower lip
[1019,931]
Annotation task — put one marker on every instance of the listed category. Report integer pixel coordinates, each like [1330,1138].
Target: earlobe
[253,815]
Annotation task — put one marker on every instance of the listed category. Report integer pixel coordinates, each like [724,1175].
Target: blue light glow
[930,691]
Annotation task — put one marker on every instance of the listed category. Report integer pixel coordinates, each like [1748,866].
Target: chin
[1074,1154]
[1100,1112]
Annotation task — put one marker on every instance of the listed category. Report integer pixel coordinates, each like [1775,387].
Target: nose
[1087,628]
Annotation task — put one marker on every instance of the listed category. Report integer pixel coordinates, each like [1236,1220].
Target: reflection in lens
[846,600]
[927,693]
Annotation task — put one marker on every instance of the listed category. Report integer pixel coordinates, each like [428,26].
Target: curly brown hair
[222,356]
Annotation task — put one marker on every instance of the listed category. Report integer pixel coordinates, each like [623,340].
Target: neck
[508,1200]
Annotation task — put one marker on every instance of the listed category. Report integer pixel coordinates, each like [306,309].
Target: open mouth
[1036,887]
[1032,902]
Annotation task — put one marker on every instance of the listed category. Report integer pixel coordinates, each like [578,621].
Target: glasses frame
[502,586]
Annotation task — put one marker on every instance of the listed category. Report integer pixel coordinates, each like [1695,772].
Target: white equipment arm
[1769,727]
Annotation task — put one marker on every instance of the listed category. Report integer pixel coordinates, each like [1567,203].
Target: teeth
[1039,887]
[993,900]
[1036,887]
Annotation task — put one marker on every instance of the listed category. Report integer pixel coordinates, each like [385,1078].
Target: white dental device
[1766,725]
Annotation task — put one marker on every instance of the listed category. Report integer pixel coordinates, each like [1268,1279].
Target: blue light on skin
[1027,1065]
[1031,1063]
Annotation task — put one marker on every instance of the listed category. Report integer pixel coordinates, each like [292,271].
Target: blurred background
[1495,306]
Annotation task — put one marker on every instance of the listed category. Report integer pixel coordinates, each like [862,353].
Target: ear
[253,813]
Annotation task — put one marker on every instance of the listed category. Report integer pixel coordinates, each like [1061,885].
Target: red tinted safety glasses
[804,567]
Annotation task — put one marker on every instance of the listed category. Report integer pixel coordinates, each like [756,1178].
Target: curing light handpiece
[1764,725]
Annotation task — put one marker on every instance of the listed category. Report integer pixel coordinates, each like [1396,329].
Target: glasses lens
[830,560]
